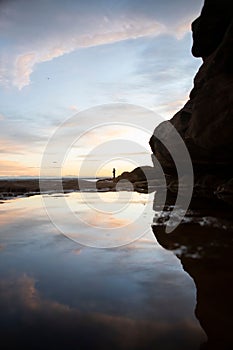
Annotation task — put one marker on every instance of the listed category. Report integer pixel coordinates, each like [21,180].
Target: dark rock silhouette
[210,27]
[205,122]
[142,173]
[136,179]
[204,240]
[31,186]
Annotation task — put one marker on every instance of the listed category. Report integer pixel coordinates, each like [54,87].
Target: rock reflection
[204,245]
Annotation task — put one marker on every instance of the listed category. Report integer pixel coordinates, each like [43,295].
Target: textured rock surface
[205,122]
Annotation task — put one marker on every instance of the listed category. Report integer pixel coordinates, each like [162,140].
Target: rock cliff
[205,122]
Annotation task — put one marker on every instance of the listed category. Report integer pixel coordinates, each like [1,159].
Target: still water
[93,279]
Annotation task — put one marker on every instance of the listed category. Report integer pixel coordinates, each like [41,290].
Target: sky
[93,72]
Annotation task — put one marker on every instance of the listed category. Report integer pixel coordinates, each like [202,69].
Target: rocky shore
[136,180]
[27,187]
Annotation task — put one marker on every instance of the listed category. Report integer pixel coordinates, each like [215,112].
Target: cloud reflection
[33,317]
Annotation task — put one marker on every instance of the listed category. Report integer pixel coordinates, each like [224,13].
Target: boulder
[136,180]
[143,173]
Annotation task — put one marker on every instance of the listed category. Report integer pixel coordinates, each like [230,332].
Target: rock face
[210,27]
[205,122]
[203,241]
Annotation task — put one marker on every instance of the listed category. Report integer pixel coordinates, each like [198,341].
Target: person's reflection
[205,247]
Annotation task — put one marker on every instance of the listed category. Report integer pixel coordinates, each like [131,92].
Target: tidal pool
[94,277]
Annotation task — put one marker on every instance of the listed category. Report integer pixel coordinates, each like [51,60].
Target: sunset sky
[59,58]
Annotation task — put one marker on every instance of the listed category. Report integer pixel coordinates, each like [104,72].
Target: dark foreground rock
[203,241]
[205,122]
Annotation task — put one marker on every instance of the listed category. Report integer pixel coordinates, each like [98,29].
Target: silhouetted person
[114,173]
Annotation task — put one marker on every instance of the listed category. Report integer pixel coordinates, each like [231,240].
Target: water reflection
[204,245]
[118,218]
[57,293]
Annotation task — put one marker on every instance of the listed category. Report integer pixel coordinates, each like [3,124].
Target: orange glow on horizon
[17,169]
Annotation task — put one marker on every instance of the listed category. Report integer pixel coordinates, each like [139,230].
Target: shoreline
[206,187]
[13,188]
